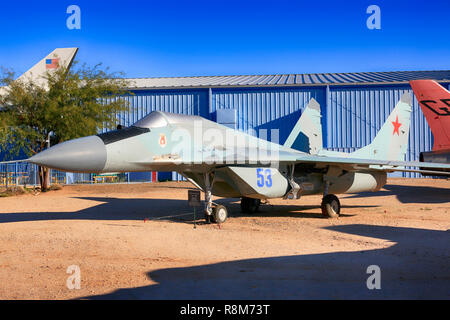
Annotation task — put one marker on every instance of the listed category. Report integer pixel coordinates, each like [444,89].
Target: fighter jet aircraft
[228,163]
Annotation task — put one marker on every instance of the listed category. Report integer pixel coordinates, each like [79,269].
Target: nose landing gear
[214,213]
[220,214]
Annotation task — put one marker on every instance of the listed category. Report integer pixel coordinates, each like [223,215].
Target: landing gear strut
[250,205]
[214,213]
[295,192]
[331,207]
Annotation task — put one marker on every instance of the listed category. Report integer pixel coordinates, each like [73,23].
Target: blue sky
[194,38]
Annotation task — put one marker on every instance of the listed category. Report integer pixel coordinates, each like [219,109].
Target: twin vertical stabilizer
[390,143]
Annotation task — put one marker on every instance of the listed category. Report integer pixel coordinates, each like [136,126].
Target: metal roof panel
[280,80]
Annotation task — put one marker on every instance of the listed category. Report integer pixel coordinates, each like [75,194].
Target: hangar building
[354,106]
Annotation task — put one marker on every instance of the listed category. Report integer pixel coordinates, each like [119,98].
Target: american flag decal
[52,63]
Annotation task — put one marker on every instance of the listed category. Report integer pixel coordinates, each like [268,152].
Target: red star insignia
[396,126]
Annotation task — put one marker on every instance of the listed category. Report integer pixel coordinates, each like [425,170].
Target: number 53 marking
[264,177]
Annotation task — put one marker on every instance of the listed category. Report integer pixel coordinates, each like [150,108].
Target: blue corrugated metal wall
[267,108]
[191,102]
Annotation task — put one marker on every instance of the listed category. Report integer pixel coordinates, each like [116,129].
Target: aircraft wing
[377,165]
[367,162]
[346,163]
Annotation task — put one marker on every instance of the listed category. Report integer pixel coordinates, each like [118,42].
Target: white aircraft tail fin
[391,142]
[59,58]
[307,133]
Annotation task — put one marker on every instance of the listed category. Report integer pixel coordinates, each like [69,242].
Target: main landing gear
[331,207]
[250,205]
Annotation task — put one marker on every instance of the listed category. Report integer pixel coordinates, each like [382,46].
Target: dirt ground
[139,241]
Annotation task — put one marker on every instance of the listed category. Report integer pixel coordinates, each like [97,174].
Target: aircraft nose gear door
[294,193]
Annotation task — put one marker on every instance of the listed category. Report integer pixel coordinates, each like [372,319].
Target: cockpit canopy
[153,120]
[158,119]
[122,134]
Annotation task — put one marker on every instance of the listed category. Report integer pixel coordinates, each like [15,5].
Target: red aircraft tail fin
[435,103]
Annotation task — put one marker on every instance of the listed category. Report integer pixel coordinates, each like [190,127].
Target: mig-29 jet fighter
[228,163]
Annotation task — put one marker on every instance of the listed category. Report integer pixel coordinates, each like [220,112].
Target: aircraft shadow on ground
[120,209]
[410,194]
[415,266]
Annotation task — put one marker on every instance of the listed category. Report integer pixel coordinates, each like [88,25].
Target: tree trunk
[44,178]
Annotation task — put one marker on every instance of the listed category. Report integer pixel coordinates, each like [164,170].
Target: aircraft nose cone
[80,155]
